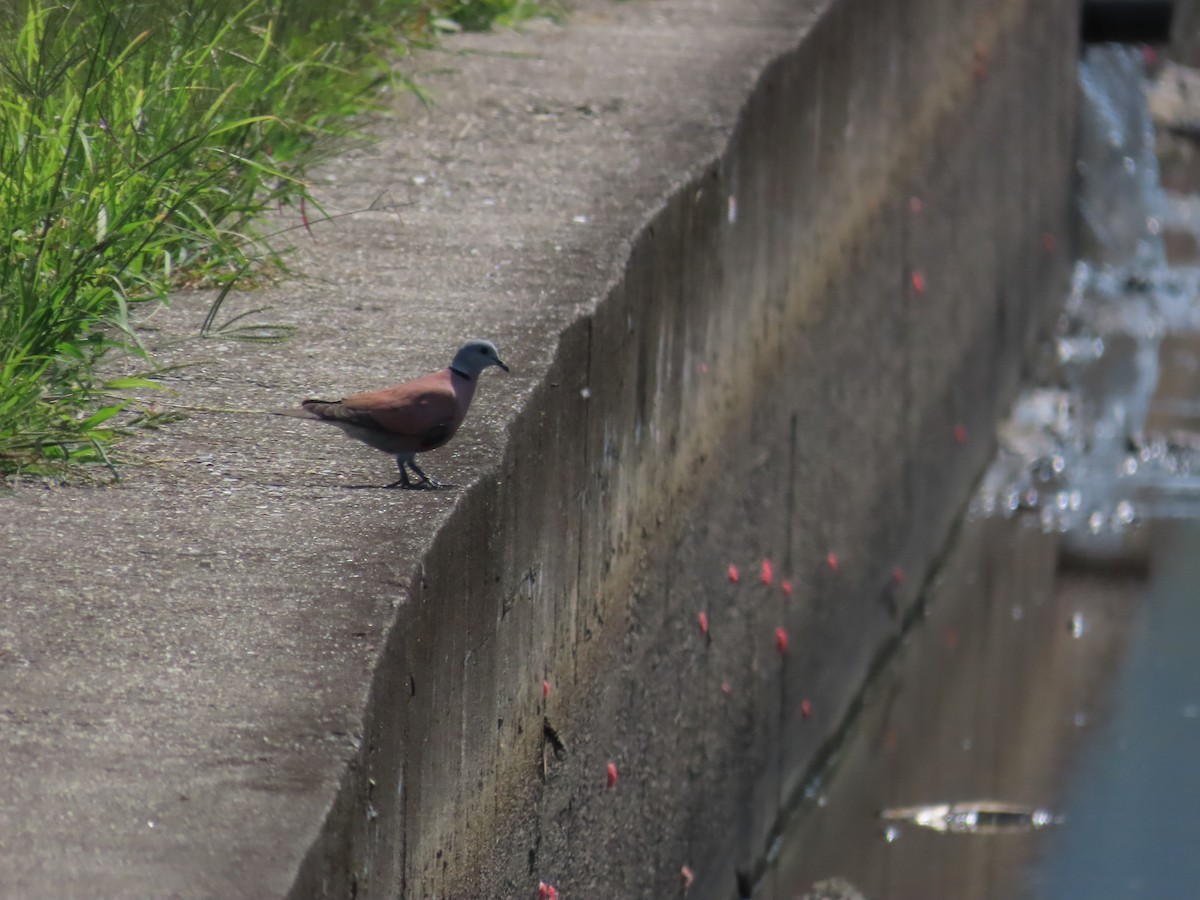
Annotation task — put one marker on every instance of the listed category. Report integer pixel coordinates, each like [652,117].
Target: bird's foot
[403,481]
[407,463]
[432,484]
[425,484]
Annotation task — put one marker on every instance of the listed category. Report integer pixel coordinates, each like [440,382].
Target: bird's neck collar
[460,373]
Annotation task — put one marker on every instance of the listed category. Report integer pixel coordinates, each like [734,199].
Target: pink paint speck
[787,588]
[703,617]
[734,575]
[767,574]
[806,708]
[918,282]
[545,689]
[687,876]
[781,639]
[612,775]
[832,561]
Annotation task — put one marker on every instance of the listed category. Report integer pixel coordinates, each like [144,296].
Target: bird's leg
[425,479]
[406,461]
[403,481]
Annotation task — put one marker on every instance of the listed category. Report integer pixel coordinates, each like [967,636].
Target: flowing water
[1038,733]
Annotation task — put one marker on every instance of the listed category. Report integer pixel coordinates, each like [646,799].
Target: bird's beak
[501,365]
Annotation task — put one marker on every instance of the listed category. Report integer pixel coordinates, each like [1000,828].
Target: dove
[412,417]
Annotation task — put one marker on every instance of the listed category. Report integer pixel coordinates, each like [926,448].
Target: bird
[409,418]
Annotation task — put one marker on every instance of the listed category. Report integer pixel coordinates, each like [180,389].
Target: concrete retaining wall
[803,355]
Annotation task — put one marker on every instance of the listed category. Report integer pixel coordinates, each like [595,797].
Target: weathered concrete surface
[232,675]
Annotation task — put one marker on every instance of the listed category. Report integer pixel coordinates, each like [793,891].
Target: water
[1116,439]
[1132,793]
[1038,734]
[1072,696]
[1119,199]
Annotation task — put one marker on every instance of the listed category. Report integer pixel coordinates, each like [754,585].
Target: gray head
[475,356]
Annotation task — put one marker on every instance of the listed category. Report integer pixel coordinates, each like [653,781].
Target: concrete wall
[765,385]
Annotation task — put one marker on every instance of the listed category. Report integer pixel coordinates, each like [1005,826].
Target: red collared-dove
[409,418]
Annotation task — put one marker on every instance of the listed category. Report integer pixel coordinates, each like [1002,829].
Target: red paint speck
[612,775]
[918,282]
[734,576]
[552,894]
[781,639]
[545,689]
[787,588]
[703,617]
[726,688]
[767,573]
[980,56]
[1049,244]
[897,576]
[960,434]
[915,206]
[543,890]
[832,561]
[687,876]
[806,708]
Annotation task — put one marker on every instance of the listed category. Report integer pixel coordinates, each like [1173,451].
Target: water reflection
[1133,791]
[991,696]
[983,817]
[1071,697]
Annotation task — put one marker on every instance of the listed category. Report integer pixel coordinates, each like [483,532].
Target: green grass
[140,144]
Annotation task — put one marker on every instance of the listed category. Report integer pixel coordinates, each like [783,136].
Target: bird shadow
[416,488]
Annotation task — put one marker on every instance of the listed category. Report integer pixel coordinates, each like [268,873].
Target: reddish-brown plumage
[412,417]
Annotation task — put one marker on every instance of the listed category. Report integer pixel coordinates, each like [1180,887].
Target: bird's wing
[421,408]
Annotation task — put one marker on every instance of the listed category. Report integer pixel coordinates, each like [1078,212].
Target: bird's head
[475,356]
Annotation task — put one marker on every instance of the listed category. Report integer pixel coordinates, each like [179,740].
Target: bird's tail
[320,410]
[295,412]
